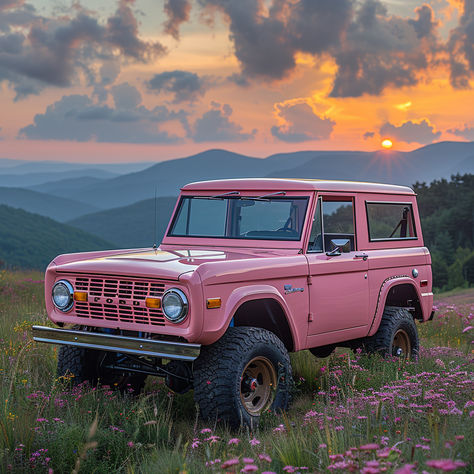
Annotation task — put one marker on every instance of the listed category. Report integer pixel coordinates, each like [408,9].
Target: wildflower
[265,457]
[230,462]
[254,442]
[369,447]
[467,328]
[445,465]
[289,469]
[130,444]
[206,430]
[323,445]
[279,428]
[212,439]
[249,468]
[248,460]
[459,437]
[406,469]
[234,441]
[195,443]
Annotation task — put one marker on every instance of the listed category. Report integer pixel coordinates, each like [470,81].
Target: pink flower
[234,441]
[249,468]
[130,444]
[212,439]
[206,430]
[369,447]
[230,462]
[445,465]
[248,460]
[406,469]
[265,457]
[254,442]
[459,437]
[468,328]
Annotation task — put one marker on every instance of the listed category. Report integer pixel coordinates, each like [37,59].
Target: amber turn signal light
[80,296]
[213,303]
[153,303]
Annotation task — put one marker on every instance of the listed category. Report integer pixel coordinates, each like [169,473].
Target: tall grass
[351,412]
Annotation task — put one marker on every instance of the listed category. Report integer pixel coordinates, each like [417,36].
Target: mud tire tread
[215,388]
[393,319]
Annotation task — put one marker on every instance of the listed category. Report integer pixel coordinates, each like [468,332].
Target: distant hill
[63,187]
[33,179]
[58,208]
[19,167]
[168,176]
[388,166]
[129,226]
[425,164]
[31,241]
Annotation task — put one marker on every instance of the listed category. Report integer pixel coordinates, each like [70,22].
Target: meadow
[350,412]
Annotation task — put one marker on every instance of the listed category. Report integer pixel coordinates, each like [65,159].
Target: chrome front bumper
[122,344]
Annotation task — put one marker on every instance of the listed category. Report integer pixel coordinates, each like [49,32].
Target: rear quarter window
[390,221]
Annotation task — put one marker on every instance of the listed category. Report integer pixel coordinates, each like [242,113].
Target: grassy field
[351,412]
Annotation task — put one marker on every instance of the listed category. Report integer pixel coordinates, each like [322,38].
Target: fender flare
[259,292]
[387,284]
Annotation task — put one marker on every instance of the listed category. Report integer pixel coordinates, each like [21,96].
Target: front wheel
[240,376]
[397,335]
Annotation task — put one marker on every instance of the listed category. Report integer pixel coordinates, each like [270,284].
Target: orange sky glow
[173,83]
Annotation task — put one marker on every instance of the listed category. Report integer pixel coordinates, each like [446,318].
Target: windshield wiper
[265,197]
[219,196]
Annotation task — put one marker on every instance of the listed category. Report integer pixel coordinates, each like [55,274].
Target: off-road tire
[80,365]
[394,321]
[219,370]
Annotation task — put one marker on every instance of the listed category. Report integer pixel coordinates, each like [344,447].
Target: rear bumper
[121,344]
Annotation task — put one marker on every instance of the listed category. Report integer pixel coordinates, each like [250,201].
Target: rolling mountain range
[424,164]
[119,209]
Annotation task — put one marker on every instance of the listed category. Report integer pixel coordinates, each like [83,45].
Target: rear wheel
[246,372]
[397,335]
[82,365]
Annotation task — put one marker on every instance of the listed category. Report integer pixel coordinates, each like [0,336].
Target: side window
[332,220]
[390,221]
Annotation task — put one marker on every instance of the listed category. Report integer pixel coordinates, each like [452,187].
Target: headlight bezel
[184,305]
[70,289]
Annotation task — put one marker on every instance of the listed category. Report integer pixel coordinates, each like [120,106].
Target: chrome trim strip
[123,344]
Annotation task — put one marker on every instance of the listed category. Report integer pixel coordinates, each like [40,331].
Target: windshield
[272,218]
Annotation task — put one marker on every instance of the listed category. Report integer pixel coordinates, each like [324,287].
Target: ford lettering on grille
[115,299]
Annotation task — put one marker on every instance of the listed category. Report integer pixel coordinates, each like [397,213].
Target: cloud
[178,12]
[368,135]
[381,50]
[266,40]
[466,132]
[55,51]
[461,48]
[300,123]
[411,132]
[215,126]
[78,118]
[183,85]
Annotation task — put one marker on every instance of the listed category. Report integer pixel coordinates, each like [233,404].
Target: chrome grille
[128,297]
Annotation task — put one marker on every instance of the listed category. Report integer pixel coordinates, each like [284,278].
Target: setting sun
[387,143]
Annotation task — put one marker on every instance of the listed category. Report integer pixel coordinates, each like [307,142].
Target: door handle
[363,256]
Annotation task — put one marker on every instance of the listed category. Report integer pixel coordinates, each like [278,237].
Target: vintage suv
[248,271]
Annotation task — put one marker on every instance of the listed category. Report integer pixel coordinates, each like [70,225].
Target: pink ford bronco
[248,271]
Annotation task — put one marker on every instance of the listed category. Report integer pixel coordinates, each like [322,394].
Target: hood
[166,264]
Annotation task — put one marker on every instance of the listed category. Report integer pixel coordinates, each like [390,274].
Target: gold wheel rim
[257,385]
[401,345]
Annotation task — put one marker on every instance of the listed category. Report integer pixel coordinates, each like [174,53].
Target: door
[339,290]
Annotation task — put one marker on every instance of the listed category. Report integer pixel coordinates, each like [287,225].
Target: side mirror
[338,246]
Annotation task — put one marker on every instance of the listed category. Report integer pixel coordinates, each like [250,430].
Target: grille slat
[134,292]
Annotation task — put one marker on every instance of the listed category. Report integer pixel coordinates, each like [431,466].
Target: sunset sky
[103,81]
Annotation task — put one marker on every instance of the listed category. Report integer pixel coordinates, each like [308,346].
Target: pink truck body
[331,298]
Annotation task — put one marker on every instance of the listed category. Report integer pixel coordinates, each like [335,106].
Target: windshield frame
[225,240]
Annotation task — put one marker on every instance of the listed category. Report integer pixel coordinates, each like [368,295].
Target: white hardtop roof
[295,184]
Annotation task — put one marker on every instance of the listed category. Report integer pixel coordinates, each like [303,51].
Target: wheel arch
[265,313]
[397,291]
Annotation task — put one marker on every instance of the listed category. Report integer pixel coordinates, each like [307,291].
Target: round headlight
[175,305]
[63,295]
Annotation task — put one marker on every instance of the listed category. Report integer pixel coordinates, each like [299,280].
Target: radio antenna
[154,225]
